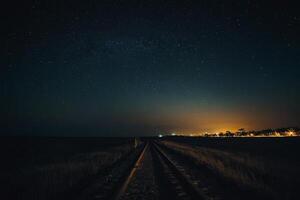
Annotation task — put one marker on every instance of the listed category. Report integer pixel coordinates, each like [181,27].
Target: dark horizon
[144,67]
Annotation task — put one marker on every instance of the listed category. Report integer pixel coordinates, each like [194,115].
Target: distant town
[280,132]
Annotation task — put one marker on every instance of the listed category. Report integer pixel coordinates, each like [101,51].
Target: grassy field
[268,165]
[50,168]
[46,168]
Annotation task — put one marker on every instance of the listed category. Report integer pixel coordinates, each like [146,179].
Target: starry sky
[126,68]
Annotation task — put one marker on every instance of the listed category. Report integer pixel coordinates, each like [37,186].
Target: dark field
[46,168]
[285,149]
[267,165]
[63,168]
[31,151]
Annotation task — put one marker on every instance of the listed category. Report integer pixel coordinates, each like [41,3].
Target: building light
[291,133]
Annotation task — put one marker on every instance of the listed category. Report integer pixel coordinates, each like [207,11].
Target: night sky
[125,68]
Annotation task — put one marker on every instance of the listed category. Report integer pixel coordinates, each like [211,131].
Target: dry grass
[50,180]
[241,168]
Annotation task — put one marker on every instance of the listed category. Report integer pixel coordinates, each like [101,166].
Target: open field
[168,167]
[46,168]
[266,165]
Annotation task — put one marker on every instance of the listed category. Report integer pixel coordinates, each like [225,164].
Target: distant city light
[291,133]
[160,135]
[277,134]
[271,133]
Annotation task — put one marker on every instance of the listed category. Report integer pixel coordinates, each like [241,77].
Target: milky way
[118,68]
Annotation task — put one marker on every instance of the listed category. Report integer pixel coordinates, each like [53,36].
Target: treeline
[280,132]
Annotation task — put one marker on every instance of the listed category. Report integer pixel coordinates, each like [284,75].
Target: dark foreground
[150,168]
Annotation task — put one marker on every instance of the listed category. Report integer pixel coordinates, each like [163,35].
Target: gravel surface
[102,186]
[142,185]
